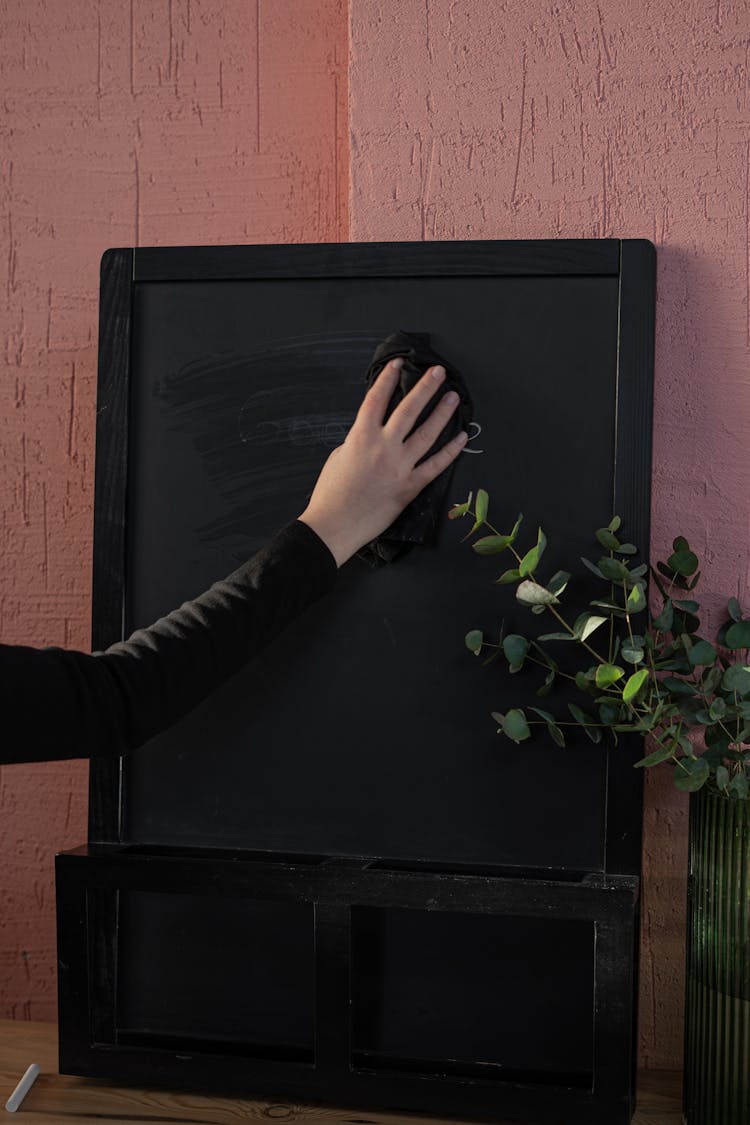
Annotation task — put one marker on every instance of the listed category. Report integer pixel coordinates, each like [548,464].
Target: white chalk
[15,1100]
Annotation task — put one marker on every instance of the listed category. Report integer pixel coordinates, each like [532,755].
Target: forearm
[69,704]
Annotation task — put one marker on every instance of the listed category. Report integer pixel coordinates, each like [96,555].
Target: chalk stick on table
[15,1100]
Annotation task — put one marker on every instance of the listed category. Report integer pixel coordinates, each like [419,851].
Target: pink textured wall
[183,121]
[148,122]
[579,119]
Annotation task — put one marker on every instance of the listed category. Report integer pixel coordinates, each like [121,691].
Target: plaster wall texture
[122,124]
[184,121]
[499,119]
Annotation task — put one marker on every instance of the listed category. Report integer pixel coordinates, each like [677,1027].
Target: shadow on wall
[697,492]
[697,488]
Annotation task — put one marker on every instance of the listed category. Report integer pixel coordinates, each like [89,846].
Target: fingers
[373,408]
[408,410]
[423,438]
[434,465]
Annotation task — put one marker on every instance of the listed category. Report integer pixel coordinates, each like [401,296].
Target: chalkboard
[365,729]
[332,879]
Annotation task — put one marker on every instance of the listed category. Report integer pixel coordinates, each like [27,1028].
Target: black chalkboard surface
[366,728]
[344,808]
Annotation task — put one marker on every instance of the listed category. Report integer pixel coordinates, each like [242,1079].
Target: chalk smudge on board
[315,429]
[264,421]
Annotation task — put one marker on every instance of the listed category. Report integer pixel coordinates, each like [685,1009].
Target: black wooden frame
[90,878]
[632,261]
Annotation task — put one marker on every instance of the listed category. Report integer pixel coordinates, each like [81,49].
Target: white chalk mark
[471,437]
[311,429]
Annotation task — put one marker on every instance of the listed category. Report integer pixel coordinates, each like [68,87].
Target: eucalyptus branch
[676,678]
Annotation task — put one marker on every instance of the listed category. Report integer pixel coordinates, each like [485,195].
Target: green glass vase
[716,1087]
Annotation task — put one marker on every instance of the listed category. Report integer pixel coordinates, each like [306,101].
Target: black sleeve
[62,704]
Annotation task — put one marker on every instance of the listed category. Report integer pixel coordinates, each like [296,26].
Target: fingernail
[398,362]
[451,398]
[438,373]
[461,438]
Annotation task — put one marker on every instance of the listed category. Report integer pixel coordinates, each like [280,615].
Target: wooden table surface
[80,1101]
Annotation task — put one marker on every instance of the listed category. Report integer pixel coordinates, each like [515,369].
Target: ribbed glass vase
[717,1010]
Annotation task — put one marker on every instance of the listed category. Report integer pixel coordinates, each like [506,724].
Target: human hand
[369,480]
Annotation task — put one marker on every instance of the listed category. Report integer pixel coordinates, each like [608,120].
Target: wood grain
[80,1101]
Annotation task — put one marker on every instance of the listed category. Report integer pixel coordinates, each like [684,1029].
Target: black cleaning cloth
[419,521]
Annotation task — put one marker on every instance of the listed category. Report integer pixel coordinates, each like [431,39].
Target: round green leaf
[711,678]
[634,685]
[687,605]
[473,641]
[718,709]
[515,726]
[691,774]
[459,510]
[556,734]
[531,593]
[530,560]
[516,526]
[491,544]
[609,713]
[678,687]
[590,566]
[613,569]
[607,674]
[659,755]
[507,577]
[587,624]
[738,635]
[515,648]
[636,599]
[734,609]
[558,582]
[607,539]
[683,562]
[686,623]
[737,678]
[701,653]
[664,620]
[633,653]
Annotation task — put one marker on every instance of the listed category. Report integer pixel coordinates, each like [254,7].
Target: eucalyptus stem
[627,615]
[563,622]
